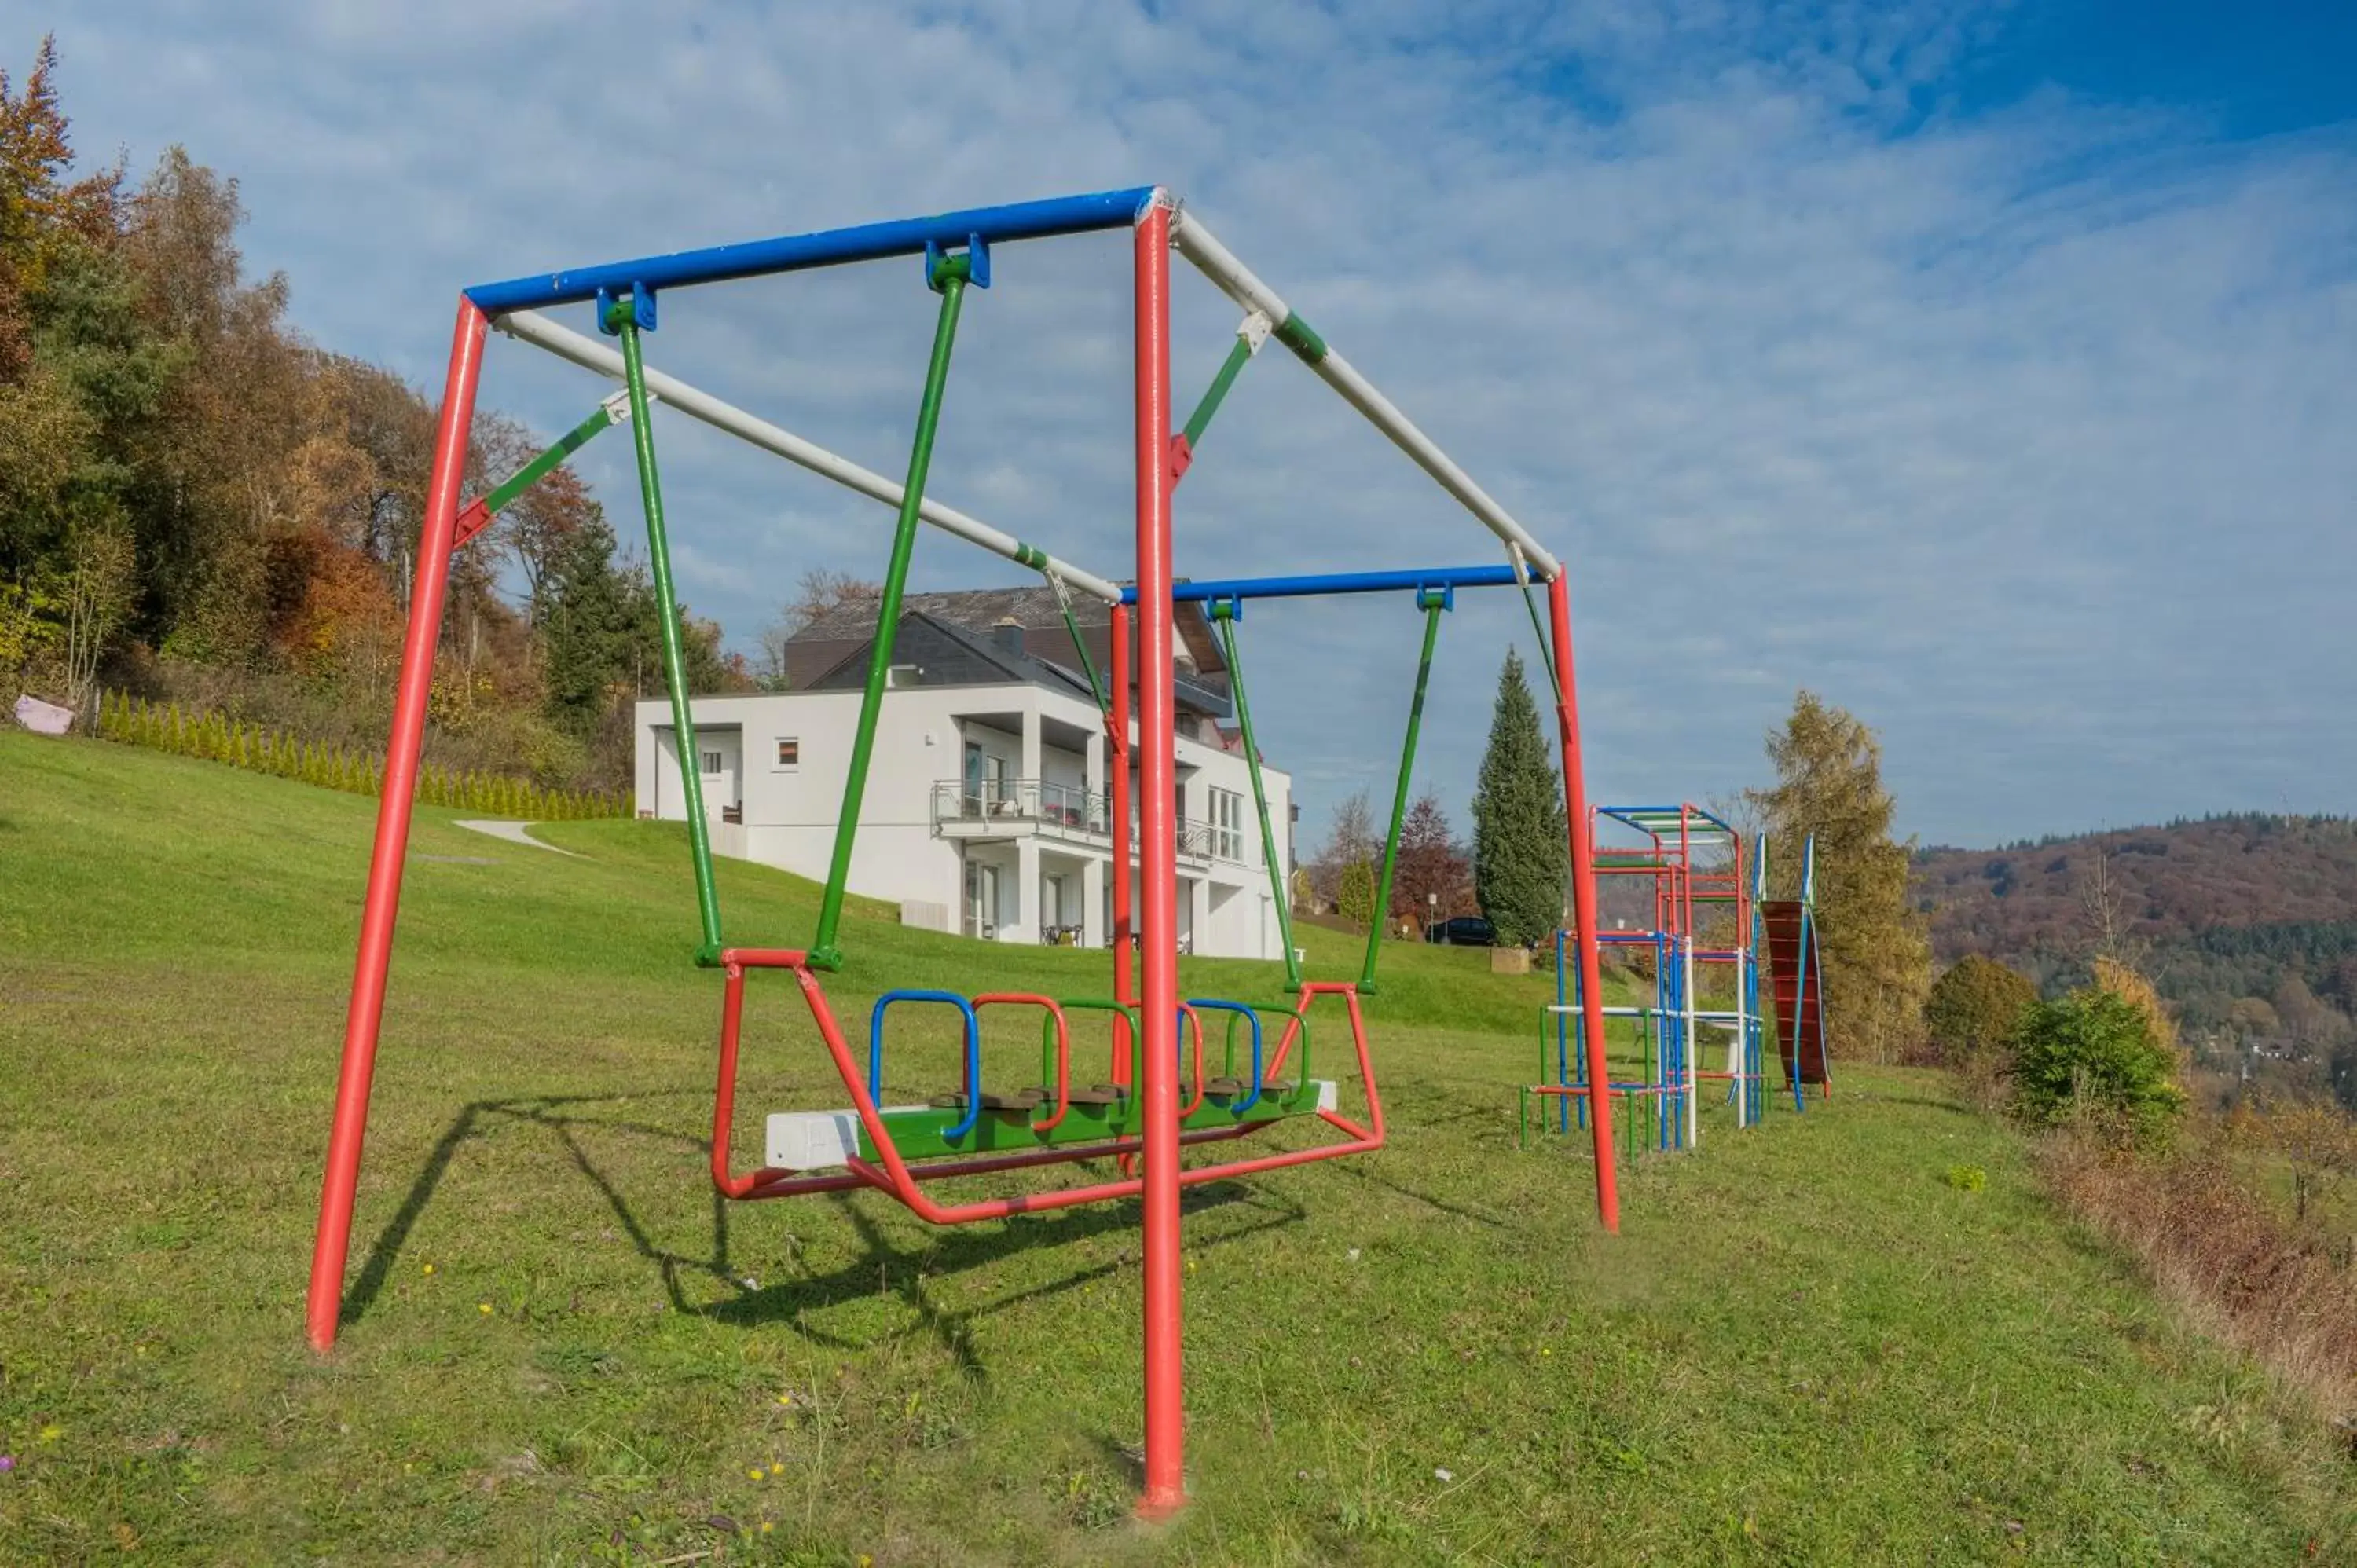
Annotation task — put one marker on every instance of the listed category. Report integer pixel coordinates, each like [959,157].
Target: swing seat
[803,1140]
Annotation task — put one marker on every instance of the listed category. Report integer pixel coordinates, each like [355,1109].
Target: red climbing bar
[1583,902]
[332,1245]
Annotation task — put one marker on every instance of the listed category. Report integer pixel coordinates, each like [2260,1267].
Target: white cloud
[2022,431]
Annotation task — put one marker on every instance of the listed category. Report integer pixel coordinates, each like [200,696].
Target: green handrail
[1432,601]
[948,276]
[1224,612]
[622,317]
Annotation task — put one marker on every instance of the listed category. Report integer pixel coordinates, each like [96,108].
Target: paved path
[515,833]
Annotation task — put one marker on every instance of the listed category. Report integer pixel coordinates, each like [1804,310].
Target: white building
[987,803]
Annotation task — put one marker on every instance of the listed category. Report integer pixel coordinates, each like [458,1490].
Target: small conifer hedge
[216,737]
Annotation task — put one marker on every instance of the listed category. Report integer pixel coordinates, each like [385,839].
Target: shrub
[2091,1056]
[1974,1011]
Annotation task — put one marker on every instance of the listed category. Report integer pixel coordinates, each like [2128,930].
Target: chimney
[1006,632]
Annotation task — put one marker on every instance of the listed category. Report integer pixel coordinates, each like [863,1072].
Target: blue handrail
[1213,1006]
[973,1051]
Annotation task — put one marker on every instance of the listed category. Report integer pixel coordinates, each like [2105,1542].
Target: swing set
[1158,1093]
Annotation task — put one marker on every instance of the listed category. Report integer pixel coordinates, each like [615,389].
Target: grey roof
[976,609]
[979,655]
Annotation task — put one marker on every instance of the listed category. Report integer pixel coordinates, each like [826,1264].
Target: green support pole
[948,277]
[1224,613]
[1080,646]
[1433,601]
[623,317]
[1539,631]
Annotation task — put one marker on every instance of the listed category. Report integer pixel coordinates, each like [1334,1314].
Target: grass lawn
[1807,1347]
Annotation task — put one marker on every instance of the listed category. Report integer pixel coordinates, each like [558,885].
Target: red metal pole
[1165,1484]
[1583,902]
[1118,764]
[332,1245]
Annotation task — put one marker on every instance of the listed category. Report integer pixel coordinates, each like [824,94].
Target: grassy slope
[1806,1347]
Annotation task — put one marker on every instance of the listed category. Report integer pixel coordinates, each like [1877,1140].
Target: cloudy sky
[1987,371]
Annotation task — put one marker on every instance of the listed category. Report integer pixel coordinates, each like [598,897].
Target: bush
[1974,1011]
[2091,1056]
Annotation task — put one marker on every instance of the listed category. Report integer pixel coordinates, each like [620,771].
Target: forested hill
[2223,908]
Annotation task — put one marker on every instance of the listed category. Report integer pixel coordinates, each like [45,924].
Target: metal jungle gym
[1158,1098]
[1712,921]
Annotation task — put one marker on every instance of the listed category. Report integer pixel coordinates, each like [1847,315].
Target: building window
[903,675]
[711,764]
[790,754]
[1227,824]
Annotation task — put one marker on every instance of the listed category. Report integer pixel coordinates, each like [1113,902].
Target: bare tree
[1351,841]
[2104,902]
[820,591]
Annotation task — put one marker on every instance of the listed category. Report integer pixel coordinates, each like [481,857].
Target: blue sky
[1985,370]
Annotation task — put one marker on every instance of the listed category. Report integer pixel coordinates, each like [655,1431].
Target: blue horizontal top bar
[831,247]
[1336,583]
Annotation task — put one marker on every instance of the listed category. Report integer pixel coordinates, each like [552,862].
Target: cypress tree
[1519,849]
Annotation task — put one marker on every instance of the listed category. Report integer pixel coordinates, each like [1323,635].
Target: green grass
[1807,1347]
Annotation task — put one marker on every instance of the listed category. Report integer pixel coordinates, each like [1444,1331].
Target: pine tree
[1878,962]
[591,617]
[1520,854]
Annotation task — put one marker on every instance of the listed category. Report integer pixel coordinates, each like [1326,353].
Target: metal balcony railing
[960,806]
[1064,807]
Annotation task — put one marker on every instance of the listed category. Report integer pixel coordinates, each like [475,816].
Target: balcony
[1017,808]
[1010,807]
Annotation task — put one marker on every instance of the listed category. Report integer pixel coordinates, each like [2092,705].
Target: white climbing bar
[1214,260]
[592,355]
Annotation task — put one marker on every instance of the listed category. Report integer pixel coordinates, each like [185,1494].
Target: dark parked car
[1462,931]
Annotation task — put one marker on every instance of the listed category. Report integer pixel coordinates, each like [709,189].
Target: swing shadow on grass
[949,1251]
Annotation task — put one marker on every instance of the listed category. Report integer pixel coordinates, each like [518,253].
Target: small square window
[790,754]
[711,764]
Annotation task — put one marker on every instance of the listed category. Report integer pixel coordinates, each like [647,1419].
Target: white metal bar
[592,355]
[1235,280]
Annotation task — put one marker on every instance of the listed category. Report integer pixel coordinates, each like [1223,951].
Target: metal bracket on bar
[642,302]
[977,256]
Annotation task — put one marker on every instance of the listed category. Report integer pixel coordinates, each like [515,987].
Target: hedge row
[218,739]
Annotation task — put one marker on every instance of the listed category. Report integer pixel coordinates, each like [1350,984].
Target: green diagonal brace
[948,276]
[1433,601]
[532,473]
[1224,612]
[623,318]
[1232,367]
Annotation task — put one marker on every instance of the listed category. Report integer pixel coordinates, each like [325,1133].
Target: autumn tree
[1973,1010]
[1433,873]
[1520,853]
[1876,958]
